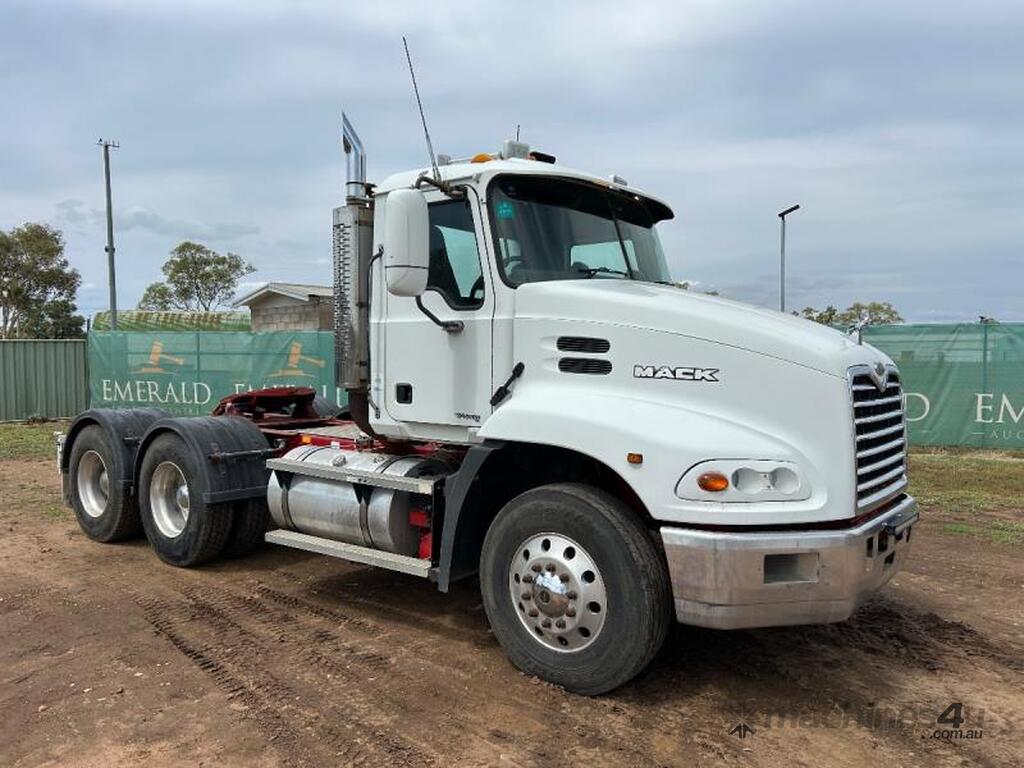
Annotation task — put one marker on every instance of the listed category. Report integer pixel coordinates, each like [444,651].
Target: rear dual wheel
[183,529]
[249,523]
[105,510]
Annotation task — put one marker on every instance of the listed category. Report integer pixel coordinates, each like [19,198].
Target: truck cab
[533,400]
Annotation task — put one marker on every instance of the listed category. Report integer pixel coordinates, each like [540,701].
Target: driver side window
[455,270]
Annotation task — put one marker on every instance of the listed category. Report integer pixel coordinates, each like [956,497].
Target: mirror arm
[449,326]
[444,186]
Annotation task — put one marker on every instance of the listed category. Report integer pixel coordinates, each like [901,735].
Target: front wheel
[574,588]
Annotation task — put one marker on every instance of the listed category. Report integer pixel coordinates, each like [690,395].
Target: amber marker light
[483,157]
[713,482]
[636,459]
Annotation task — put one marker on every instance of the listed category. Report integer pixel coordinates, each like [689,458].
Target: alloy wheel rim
[557,591]
[169,499]
[93,484]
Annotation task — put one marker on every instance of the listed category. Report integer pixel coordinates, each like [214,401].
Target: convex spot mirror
[406,242]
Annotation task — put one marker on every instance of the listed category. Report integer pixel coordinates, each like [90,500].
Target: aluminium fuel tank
[363,515]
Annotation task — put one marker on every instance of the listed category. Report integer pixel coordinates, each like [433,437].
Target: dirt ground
[109,658]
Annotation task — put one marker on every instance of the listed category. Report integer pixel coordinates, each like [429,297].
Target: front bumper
[730,580]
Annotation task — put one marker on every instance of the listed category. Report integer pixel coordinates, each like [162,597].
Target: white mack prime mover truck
[532,400]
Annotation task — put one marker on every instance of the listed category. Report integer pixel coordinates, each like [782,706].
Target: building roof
[297,291]
[147,320]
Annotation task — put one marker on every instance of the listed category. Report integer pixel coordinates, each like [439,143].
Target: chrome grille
[880,434]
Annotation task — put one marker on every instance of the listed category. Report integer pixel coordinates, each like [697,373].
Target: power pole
[782,257]
[107,146]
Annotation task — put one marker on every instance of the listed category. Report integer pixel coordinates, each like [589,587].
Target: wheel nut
[528,579]
[535,568]
[571,594]
[570,612]
[560,623]
[546,623]
[564,577]
[551,567]
[527,595]
[532,613]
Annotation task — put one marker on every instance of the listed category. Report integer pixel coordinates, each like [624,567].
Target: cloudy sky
[897,126]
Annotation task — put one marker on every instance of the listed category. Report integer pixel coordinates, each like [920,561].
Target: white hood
[668,309]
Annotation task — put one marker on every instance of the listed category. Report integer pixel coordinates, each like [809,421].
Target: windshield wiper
[591,271]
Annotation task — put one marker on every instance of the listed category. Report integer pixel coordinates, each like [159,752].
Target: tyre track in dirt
[429,710]
[377,672]
[323,646]
[668,718]
[240,663]
[554,718]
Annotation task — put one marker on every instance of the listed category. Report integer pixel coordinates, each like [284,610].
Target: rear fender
[225,477]
[124,429]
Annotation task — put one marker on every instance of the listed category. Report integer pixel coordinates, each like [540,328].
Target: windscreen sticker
[506,210]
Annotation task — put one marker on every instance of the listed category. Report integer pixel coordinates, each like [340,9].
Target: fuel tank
[365,516]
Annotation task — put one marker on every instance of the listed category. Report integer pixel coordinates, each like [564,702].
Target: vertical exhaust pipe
[352,243]
[355,160]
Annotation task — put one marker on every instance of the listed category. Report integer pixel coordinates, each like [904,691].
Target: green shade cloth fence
[964,383]
[187,373]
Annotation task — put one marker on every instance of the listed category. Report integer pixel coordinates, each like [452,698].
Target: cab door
[433,376]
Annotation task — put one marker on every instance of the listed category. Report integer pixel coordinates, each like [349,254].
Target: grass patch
[29,441]
[999,531]
[56,512]
[1007,532]
[963,451]
[967,481]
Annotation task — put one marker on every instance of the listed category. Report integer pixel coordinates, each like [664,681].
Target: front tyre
[182,528]
[574,588]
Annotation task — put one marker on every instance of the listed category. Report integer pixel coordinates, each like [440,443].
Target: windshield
[557,229]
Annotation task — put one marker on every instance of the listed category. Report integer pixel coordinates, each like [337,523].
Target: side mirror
[406,242]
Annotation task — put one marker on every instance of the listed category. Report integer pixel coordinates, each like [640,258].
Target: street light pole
[782,257]
[107,145]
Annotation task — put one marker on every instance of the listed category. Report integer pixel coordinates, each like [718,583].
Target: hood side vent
[585,344]
[584,365]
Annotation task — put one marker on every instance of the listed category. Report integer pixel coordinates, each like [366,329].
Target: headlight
[747,480]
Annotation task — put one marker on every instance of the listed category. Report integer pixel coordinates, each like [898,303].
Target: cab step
[366,555]
[421,485]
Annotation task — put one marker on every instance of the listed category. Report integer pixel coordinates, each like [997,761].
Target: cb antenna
[426,133]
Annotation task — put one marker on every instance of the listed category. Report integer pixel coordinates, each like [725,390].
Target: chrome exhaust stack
[352,242]
[355,161]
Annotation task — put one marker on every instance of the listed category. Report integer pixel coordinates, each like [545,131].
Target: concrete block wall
[301,317]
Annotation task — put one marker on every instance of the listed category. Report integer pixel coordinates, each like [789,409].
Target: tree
[826,316]
[55,320]
[197,279]
[878,313]
[37,285]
